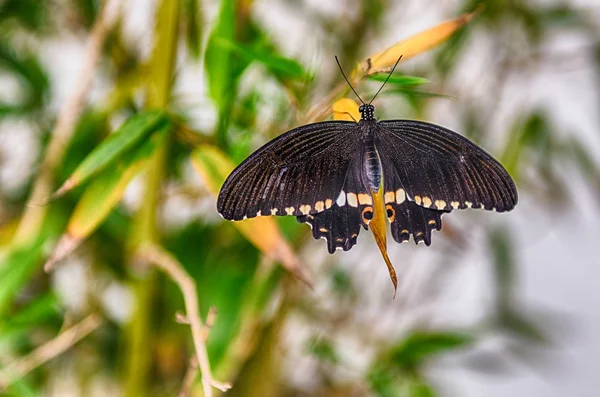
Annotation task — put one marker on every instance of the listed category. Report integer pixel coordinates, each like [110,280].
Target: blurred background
[499,304]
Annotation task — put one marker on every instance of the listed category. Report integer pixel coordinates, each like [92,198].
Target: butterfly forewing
[441,170]
[298,173]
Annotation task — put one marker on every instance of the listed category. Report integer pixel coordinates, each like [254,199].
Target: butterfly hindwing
[339,226]
[353,207]
[298,173]
[442,170]
[410,219]
[405,216]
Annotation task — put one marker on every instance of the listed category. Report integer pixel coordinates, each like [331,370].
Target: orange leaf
[379,231]
[414,45]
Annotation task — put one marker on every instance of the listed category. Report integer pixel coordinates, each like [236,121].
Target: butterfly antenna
[386,80]
[348,81]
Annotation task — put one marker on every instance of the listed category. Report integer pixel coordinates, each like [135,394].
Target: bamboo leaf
[218,60]
[32,78]
[103,194]
[17,267]
[401,80]
[132,132]
[417,94]
[40,310]
[419,388]
[420,346]
[213,166]
[278,65]
[193,21]
[414,45]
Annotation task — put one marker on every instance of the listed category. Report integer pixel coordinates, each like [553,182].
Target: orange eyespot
[367,214]
[391,214]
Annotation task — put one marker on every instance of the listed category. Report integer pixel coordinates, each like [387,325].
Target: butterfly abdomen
[370,159]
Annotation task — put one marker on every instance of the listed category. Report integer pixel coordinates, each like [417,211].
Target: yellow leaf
[414,45]
[346,109]
[214,166]
[378,229]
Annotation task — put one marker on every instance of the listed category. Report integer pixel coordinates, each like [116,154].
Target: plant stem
[33,217]
[159,84]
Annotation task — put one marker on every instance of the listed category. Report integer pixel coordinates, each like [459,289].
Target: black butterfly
[339,175]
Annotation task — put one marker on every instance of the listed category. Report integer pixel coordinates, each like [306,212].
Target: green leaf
[193,22]
[88,11]
[32,14]
[324,350]
[278,65]
[401,80]
[420,94]
[504,264]
[19,262]
[39,311]
[531,133]
[21,388]
[32,78]
[564,15]
[420,346]
[446,59]
[518,325]
[383,381]
[106,190]
[419,388]
[223,67]
[17,267]
[217,59]
[103,194]
[130,134]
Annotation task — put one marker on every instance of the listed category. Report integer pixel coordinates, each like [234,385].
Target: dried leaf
[414,45]
[378,228]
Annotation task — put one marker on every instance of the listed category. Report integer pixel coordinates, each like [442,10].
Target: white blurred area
[559,269]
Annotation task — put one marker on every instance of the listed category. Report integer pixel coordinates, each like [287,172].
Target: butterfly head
[367,111]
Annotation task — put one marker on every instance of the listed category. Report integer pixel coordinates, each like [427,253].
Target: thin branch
[32,219]
[61,343]
[167,263]
[188,380]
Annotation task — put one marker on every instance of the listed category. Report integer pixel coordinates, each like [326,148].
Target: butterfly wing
[339,226]
[438,169]
[353,207]
[405,216]
[298,173]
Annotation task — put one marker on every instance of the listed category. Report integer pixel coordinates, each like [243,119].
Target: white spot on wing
[341,200]
[352,200]
[400,196]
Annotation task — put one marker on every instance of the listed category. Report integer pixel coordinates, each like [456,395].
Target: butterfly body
[339,175]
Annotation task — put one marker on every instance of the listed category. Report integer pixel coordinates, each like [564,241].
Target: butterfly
[337,176]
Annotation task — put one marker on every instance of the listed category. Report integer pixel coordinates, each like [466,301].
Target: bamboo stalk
[159,84]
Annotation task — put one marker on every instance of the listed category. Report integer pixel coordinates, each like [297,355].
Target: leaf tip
[64,247]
